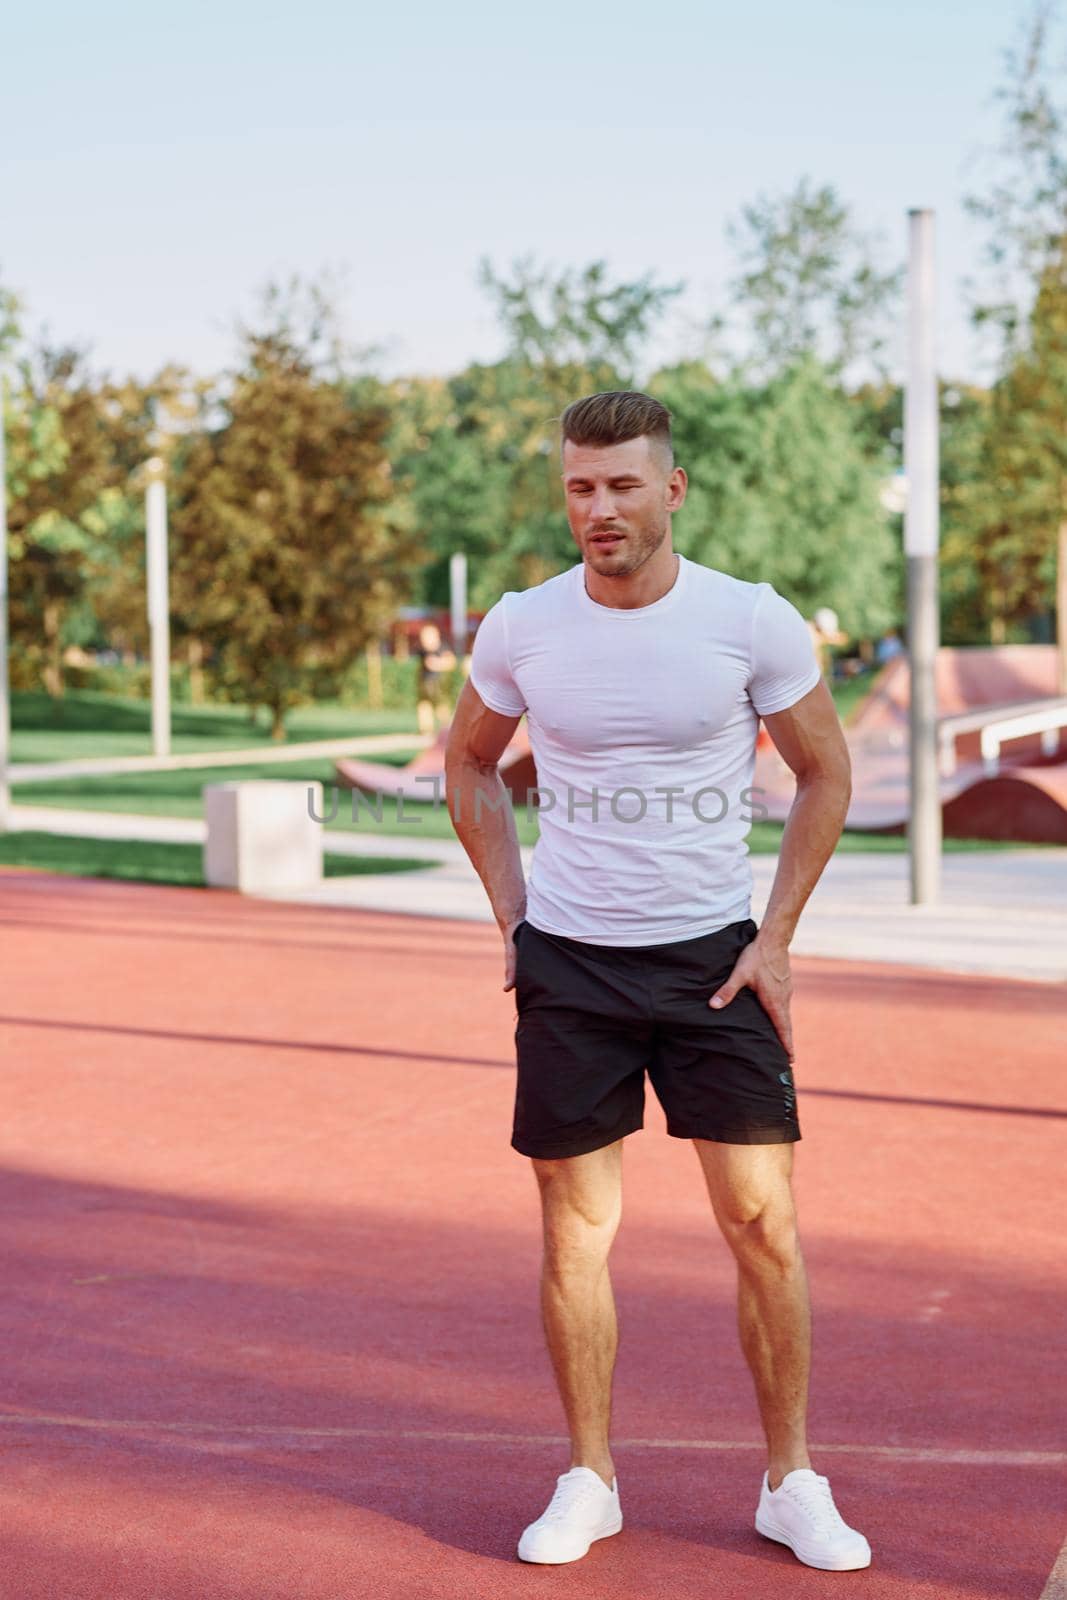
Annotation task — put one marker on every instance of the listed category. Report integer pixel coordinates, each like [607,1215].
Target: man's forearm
[480,808]
[812,829]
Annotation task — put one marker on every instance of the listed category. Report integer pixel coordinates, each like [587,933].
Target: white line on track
[281,1431]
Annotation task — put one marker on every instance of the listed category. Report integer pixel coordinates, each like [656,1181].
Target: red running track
[270,1311]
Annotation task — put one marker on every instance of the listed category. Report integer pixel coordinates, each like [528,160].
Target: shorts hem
[577,1147]
[773,1133]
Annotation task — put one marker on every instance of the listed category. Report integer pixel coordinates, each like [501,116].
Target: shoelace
[814,1497]
[568,1495]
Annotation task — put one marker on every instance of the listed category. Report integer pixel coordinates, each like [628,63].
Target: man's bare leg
[581,1205]
[750,1187]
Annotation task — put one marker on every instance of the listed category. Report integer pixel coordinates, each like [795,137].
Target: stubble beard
[640,546]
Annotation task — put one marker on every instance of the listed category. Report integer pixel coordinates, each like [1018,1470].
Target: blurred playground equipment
[1002,740]
[1002,736]
[424,777]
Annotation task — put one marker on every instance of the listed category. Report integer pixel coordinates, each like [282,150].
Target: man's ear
[677,485]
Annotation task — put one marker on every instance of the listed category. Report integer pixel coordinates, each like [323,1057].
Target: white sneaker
[582,1510]
[801,1513]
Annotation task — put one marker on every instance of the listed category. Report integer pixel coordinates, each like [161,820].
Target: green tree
[782,490]
[964,443]
[65,493]
[1018,522]
[575,322]
[965,589]
[810,283]
[1023,204]
[73,439]
[447,452]
[481,450]
[10,324]
[140,421]
[291,545]
[1019,525]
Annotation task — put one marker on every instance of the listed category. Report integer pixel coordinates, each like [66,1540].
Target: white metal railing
[996,725]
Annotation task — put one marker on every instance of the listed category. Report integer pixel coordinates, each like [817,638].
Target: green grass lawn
[86,723]
[850,693]
[141,862]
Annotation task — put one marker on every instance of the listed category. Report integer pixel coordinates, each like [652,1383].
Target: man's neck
[641,588]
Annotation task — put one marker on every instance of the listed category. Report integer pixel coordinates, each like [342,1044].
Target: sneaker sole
[605,1532]
[816,1558]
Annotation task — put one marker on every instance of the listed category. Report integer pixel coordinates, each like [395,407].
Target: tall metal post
[158,604]
[921,522]
[5,694]
[457,582]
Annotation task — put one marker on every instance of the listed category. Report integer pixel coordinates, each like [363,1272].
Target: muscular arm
[480,808]
[809,738]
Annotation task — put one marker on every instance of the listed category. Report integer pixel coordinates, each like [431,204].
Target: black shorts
[593,1017]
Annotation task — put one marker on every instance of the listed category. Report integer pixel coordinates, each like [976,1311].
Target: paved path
[1003,913]
[270,1309]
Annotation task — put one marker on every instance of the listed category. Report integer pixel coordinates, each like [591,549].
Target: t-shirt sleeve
[491,672]
[784,666]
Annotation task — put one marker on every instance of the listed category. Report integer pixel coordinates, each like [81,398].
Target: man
[826,634]
[433,662]
[643,677]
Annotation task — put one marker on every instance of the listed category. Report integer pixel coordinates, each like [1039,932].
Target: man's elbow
[833,778]
[464,766]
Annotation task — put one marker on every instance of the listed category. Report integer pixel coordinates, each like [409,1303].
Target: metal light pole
[457,583]
[920,549]
[5,696]
[158,603]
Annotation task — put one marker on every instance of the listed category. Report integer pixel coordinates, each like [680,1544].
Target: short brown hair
[615,417]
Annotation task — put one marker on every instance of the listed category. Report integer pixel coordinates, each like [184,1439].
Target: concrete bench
[261,835]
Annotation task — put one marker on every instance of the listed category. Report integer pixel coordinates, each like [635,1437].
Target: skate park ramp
[416,780]
[1025,799]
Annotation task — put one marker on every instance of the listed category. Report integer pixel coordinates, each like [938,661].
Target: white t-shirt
[629,704]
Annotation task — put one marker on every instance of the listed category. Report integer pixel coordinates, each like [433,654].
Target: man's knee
[763,1235]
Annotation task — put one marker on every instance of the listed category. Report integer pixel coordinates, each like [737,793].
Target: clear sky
[158,164]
